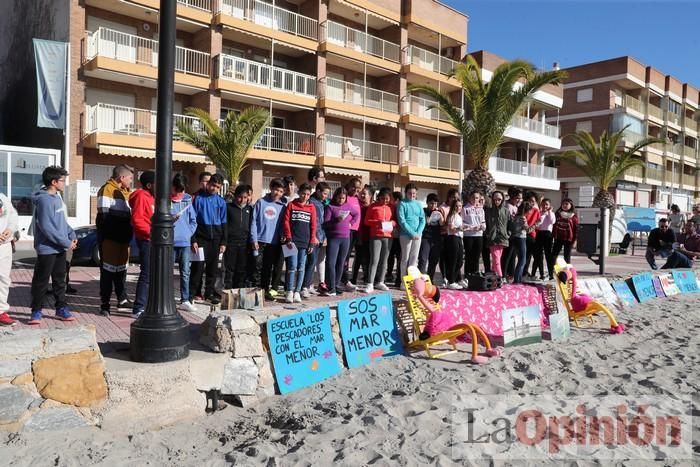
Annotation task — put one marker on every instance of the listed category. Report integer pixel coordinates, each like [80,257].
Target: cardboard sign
[245,299]
[657,287]
[302,349]
[522,326]
[686,281]
[368,329]
[643,287]
[624,293]
[669,285]
[559,326]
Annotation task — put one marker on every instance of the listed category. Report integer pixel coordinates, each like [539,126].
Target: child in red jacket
[381,222]
[298,231]
[142,204]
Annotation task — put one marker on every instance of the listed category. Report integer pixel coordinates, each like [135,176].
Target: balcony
[689,181]
[655,173]
[655,112]
[432,159]
[115,129]
[656,147]
[426,64]
[518,173]
[238,75]
[691,126]
[117,56]
[534,131]
[634,104]
[358,45]
[371,102]
[673,119]
[277,144]
[675,150]
[689,152]
[630,138]
[634,173]
[268,20]
[356,153]
[419,113]
[192,15]
[204,5]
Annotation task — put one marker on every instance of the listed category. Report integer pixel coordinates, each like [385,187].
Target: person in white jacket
[8,227]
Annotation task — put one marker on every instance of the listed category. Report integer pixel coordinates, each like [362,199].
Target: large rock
[70,340]
[76,379]
[247,345]
[266,381]
[22,342]
[55,419]
[14,401]
[11,368]
[240,377]
[221,327]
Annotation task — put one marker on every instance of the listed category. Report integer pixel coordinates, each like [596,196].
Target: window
[586,125]
[584,95]
[674,107]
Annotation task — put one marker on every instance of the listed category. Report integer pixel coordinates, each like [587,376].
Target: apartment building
[615,93]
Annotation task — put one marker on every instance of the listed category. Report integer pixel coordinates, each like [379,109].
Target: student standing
[362,244]
[564,231]
[519,232]
[381,223]
[299,231]
[265,233]
[211,234]
[317,257]
[497,234]
[8,227]
[452,194]
[394,257]
[543,241]
[239,214]
[142,203]
[338,219]
[52,238]
[185,225]
[515,198]
[533,219]
[431,243]
[676,220]
[411,218]
[454,245]
[353,188]
[474,221]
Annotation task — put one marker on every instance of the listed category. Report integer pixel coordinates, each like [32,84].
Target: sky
[664,34]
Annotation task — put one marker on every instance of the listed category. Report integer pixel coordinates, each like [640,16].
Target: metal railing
[655,111]
[433,159]
[536,126]
[654,173]
[634,104]
[274,17]
[351,148]
[291,141]
[204,5]
[118,119]
[259,74]
[355,39]
[420,107]
[522,168]
[429,60]
[134,49]
[343,91]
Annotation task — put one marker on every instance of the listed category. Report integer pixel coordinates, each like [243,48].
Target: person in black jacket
[239,214]
[660,243]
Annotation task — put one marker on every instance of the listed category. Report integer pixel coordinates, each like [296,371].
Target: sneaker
[382,286]
[137,314]
[464,283]
[445,284]
[311,290]
[36,317]
[64,315]
[330,293]
[369,288]
[322,288]
[5,320]
[305,293]
[188,306]
[124,304]
[297,297]
[270,297]
[454,286]
[350,287]
[273,293]
[290,297]
[198,298]
[104,309]
[71,290]
[214,300]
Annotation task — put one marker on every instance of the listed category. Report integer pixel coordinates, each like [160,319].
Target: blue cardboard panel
[643,286]
[686,281]
[625,293]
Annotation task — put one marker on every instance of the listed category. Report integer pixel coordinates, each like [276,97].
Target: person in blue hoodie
[185,224]
[211,234]
[265,232]
[52,238]
[411,224]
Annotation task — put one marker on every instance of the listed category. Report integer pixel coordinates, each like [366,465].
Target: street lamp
[161,334]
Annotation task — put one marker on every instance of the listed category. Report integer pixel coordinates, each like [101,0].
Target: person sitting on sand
[687,249]
[660,243]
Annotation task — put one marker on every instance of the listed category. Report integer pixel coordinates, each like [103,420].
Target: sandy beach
[400,411]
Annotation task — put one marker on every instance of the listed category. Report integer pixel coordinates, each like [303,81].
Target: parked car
[88,251]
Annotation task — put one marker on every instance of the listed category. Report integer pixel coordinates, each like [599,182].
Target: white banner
[50,57]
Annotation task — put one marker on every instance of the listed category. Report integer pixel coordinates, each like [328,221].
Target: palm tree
[490,107]
[228,144]
[602,163]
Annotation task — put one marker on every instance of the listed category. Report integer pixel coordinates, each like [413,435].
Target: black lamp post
[161,334]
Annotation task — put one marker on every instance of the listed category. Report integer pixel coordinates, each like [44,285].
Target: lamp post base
[159,339]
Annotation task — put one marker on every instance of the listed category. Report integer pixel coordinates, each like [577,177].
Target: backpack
[562,229]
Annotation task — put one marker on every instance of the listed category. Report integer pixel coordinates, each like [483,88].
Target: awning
[376,15]
[150,154]
[348,172]
[285,164]
[359,118]
[655,158]
[442,181]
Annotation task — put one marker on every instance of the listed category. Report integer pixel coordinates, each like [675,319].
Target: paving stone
[70,340]
[14,401]
[11,368]
[75,378]
[55,419]
[246,345]
[240,377]
[22,342]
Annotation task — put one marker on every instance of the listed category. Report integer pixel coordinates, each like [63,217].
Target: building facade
[612,94]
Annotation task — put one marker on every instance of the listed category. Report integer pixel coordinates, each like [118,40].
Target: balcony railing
[134,49]
[675,149]
[522,168]
[117,119]
[259,74]
[655,111]
[536,126]
[283,140]
[354,39]
[689,179]
[635,172]
[429,60]
[204,5]
[432,159]
[351,148]
[631,138]
[673,118]
[343,91]
[633,103]
[658,146]
[654,173]
[691,124]
[689,152]
[271,16]
[421,107]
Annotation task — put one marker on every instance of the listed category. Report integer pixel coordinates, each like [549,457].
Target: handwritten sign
[624,293]
[302,349]
[669,285]
[368,329]
[657,287]
[522,326]
[643,286]
[686,281]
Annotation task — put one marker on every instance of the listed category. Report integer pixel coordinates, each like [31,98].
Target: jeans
[521,247]
[182,258]
[454,260]
[496,253]
[429,256]
[144,275]
[530,243]
[312,260]
[210,267]
[361,260]
[354,235]
[270,269]
[378,253]
[235,263]
[543,252]
[296,264]
[410,249]
[472,251]
[508,258]
[556,248]
[651,255]
[394,258]
[53,266]
[336,254]
[677,260]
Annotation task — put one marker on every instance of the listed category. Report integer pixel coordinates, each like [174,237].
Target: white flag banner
[50,57]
